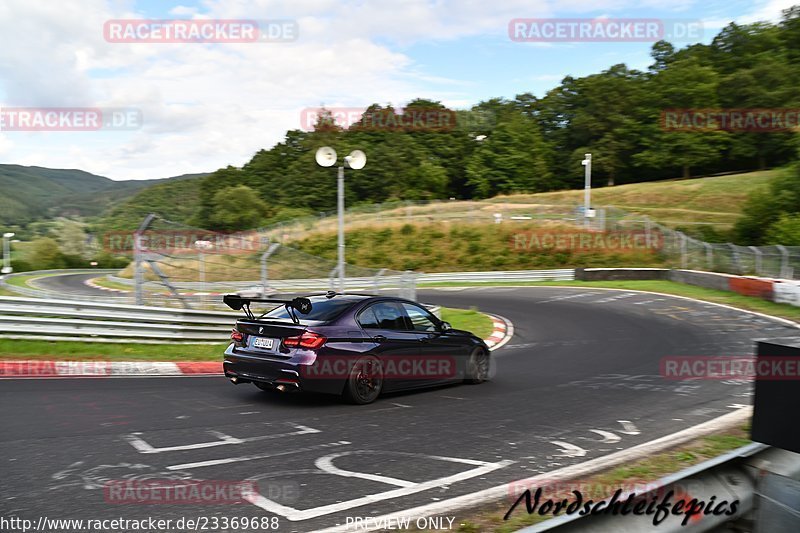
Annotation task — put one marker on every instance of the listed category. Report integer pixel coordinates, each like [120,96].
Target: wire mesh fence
[682,251]
[175,263]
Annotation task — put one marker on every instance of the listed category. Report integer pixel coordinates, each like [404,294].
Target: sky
[194,107]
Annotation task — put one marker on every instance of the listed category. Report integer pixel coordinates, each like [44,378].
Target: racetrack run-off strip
[38,368]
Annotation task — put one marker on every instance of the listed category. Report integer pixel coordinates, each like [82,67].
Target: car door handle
[424,339]
[379,338]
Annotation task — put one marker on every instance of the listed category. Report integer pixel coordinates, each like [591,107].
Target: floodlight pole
[340,209]
[7,253]
[587,188]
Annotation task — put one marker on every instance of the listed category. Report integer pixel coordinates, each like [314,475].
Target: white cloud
[207,106]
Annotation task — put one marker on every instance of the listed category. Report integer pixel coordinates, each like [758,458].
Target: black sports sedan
[352,345]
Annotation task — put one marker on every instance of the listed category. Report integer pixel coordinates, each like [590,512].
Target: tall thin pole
[340,208]
[587,188]
[202,259]
[137,268]
[7,253]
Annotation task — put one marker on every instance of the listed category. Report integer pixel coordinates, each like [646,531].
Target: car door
[444,354]
[386,325]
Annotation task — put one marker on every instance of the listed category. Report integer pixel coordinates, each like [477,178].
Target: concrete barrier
[615,274]
[709,280]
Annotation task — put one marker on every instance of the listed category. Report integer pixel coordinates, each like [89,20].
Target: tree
[45,254]
[687,84]
[237,208]
[512,159]
[786,231]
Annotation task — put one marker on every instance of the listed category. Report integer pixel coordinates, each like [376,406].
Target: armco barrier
[44,319]
[620,274]
[709,280]
[70,320]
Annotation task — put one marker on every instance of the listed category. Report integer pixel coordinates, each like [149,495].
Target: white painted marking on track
[135,440]
[628,428]
[567,297]
[326,465]
[142,446]
[568,450]
[228,460]
[608,437]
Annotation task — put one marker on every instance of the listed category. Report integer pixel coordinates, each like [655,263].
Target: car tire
[477,366]
[364,382]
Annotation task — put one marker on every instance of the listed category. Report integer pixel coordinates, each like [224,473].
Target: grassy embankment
[460,235]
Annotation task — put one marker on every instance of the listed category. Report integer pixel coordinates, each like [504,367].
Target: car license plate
[260,342]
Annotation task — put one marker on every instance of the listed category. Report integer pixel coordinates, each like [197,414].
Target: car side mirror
[445,326]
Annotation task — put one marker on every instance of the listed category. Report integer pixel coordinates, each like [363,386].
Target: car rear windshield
[322,310]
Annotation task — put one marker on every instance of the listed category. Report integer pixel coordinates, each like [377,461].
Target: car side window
[420,319]
[382,315]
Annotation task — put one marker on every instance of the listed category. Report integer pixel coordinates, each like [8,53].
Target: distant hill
[175,199]
[35,193]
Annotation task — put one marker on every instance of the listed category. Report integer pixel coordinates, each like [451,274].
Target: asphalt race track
[579,379]
[70,283]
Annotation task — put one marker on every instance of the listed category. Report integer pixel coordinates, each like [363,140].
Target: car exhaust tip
[235,381]
[281,388]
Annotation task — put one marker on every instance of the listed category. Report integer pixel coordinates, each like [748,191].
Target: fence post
[757,253]
[786,270]
[376,281]
[684,254]
[736,261]
[709,255]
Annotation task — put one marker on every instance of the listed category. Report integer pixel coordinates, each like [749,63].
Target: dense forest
[532,144]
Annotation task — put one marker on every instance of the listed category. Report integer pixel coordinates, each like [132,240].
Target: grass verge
[71,350]
[644,471]
[468,319]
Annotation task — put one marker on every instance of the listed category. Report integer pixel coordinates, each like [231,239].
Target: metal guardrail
[561,274]
[70,320]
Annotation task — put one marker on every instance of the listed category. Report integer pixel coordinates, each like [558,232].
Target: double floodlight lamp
[326,157]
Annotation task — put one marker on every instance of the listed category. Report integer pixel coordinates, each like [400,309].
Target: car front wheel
[477,366]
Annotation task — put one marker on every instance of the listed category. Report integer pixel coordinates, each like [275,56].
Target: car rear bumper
[292,373]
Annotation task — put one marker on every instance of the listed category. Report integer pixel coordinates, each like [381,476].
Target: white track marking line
[629,428]
[608,437]
[142,446]
[214,462]
[568,450]
[326,465]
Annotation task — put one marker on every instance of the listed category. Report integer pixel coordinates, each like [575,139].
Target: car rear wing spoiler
[236,302]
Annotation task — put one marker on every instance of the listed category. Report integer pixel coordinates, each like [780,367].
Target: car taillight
[236,335]
[308,339]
